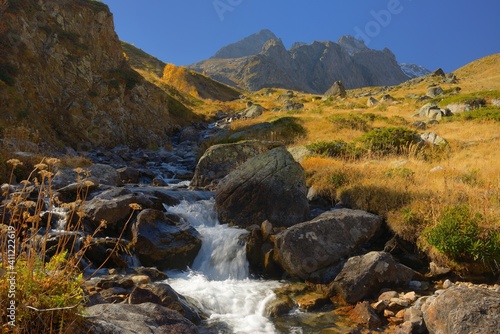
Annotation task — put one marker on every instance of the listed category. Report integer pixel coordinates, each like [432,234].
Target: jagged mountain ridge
[414,70]
[311,67]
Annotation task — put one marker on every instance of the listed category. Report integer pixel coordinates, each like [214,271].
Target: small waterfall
[219,280]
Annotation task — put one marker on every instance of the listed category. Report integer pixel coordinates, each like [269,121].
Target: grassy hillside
[445,199]
[179,81]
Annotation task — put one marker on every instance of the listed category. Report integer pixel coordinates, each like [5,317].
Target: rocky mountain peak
[248,46]
[352,45]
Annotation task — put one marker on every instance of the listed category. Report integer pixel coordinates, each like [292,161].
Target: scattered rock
[434,92]
[364,315]
[433,139]
[270,186]
[337,89]
[372,102]
[495,102]
[254,111]
[362,275]
[324,241]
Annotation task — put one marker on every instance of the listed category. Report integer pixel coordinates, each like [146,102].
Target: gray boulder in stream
[323,242]
[363,275]
[164,241]
[146,318]
[220,160]
[270,186]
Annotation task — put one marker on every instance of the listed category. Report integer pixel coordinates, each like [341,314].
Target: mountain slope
[248,46]
[311,68]
[63,75]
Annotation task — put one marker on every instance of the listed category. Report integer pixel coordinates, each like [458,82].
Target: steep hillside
[64,76]
[310,68]
[178,79]
[482,74]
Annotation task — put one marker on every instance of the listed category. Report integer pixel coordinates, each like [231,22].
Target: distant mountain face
[414,70]
[248,46]
[311,68]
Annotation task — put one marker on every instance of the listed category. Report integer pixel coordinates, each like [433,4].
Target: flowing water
[219,280]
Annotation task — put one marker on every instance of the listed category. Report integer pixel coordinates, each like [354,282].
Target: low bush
[459,236]
[385,141]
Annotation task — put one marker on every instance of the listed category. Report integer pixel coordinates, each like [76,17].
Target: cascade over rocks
[270,186]
[162,241]
[363,275]
[324,241]
[220,160]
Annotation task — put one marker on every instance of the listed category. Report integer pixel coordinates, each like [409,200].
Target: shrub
[335,148]
[457,235]
[388,140]
[350,121]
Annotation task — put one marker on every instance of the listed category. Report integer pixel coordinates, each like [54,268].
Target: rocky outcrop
[363,275]
[311,68]
[219,160]
[144,318]
[324,241]
[270,186]
[61,63]
[163,241]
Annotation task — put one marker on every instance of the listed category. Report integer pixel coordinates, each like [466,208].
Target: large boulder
[253,111]
[337,89]
[163,241]
[463,310]
[220,160]
[363,275]
[113,207]
[146,318]
[270,186]
[322,242]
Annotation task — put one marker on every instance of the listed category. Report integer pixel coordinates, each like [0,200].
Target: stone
[372,102]
[495,102]
[219,160]
[456,108]
[171,299]
[380,306]
[270,186]
[362,275]
[128,175]
[324,241]
[433,139]
[365,316]
[387,296]
[162,242]
[337,89]
[463,310]
[146,318]
[434,92]
[255,110]
[113,207]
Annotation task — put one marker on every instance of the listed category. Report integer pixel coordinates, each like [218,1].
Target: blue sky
[432,33]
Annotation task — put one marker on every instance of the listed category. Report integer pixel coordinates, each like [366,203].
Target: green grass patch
[469,98]
[489,113]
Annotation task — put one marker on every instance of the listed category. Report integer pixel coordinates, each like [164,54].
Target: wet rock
[364,315]
[146,318]
[163,242]
[362,275]
[129,175]
[113,207]
[463,310]
[270,186]
[219,160]
[170,298]
[322,242]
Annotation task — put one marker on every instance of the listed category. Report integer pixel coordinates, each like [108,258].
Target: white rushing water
[219,280]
